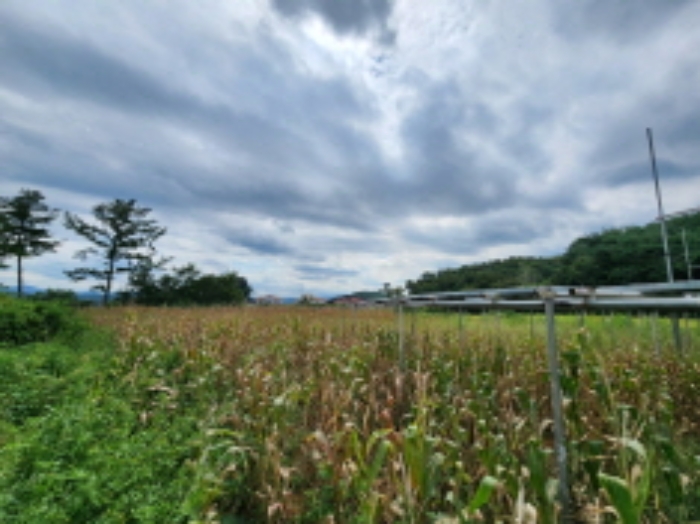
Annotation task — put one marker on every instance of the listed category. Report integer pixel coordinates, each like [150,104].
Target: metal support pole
[659,202]
[664,237]
[687,255]
[557,410]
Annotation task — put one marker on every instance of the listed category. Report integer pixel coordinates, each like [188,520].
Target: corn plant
[312,415]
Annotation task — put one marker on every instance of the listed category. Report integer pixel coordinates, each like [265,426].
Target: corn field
[311,417]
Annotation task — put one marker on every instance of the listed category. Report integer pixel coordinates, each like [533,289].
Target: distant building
[350,301]
[358,299]
[310,300]
[268,300]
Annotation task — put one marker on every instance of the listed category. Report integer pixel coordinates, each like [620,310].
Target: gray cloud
[357,16]
[51,63]
[448,174]
[258,242]
[619,152]
[273,154]
[313,272]
[309,135]
[514,229]
[26,139]
[636,172]
[619,20]
[519,228]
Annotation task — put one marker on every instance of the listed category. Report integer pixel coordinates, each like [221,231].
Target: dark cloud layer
[312,272]
[357,16]
[308,135]
[637,172]
[518,228]
[52,64]
[447,173]
[276,151]
[619,154]
[623,21]
[258,242]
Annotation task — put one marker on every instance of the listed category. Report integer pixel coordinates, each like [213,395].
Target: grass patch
[86,437]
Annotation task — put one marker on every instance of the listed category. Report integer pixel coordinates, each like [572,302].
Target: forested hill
[616,256]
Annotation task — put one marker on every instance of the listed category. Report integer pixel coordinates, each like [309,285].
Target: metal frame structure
[689,266]
[672,297]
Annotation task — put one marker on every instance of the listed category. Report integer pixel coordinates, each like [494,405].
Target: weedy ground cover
[305,415]
[24,321]
[75,445]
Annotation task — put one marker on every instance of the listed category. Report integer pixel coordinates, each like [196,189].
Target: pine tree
[123,235]
[24,229]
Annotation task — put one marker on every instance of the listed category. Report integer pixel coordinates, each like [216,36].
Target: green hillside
[615,256]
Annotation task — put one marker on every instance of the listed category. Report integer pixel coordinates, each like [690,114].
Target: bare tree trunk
[108,286]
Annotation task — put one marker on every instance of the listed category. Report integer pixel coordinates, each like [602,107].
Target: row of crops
[310,418]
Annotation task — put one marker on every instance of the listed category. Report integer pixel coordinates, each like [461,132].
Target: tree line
[618,256]
[121,238]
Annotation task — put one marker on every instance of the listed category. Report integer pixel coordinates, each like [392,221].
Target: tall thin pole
[662,215]
[664,236]
[687,255]
[560,452]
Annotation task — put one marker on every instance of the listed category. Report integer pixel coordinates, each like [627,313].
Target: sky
[330,146]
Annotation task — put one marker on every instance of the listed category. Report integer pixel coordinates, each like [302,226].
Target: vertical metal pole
[664,236]
[687,255]
[662,216]
[557,409]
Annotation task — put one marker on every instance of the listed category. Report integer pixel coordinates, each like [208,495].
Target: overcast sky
[325,146]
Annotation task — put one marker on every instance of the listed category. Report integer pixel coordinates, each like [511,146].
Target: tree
[187,285]
[4,241]
[143,285]
[66,296]
[123,234]
[24,233]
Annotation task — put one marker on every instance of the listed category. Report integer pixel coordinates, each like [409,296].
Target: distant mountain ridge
[28,290]
[89,296]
